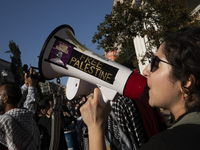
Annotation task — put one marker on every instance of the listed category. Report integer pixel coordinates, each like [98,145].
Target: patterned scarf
[18,130]
[125,128]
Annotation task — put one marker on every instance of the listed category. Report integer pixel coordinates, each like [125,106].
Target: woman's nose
[146,71]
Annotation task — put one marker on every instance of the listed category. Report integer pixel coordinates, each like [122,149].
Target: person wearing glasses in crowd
[173,78]
[18,129]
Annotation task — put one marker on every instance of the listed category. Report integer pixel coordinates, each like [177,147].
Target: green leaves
[16,64]
[151,19]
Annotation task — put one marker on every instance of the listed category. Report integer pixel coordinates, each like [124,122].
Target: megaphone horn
[63,55]
[76,87]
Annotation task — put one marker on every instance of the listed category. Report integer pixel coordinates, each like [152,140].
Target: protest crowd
[166,116]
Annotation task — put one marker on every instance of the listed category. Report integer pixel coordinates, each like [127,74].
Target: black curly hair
[182,49]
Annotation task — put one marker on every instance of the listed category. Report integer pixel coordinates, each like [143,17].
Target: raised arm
[95,116]
[32,97]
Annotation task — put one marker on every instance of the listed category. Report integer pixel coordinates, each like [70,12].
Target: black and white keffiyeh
[125,128]
[18,130]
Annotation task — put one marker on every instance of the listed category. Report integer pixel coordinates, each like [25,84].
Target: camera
[26,70]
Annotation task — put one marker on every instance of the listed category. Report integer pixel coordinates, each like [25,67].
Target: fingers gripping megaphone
[63,55]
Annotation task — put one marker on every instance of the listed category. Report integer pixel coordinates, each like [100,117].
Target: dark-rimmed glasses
[155,62]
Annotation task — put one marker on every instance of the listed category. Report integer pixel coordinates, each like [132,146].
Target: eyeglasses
[155,62]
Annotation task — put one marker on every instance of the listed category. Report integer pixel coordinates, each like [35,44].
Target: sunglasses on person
[155,62]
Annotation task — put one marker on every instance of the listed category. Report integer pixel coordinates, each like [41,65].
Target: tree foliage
[16,64]
[151,19]
[127,54]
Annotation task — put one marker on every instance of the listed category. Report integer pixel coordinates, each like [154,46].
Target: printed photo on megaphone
[63,55]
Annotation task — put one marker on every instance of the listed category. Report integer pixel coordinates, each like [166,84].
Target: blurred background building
[49,88]
[6,75]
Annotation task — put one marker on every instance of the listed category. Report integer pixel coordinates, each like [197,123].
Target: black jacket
[184,135]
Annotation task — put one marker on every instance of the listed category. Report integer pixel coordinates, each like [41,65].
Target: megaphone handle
[107,95]
[103,99]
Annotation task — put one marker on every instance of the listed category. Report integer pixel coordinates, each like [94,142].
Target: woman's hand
[95,115]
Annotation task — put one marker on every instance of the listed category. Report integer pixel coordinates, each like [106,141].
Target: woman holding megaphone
[173,79]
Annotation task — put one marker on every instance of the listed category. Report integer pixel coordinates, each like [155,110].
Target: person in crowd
[81,127]
[45,107]
[51,103]
[66,117]
[173,80]
[45,124]
[18,129]
[71,108]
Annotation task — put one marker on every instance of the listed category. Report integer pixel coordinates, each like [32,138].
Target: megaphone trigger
[103,99]
[107,94]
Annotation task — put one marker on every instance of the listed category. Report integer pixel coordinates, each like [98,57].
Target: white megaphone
[63,55]
[76,87]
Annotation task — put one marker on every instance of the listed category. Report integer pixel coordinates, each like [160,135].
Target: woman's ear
[189,83]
